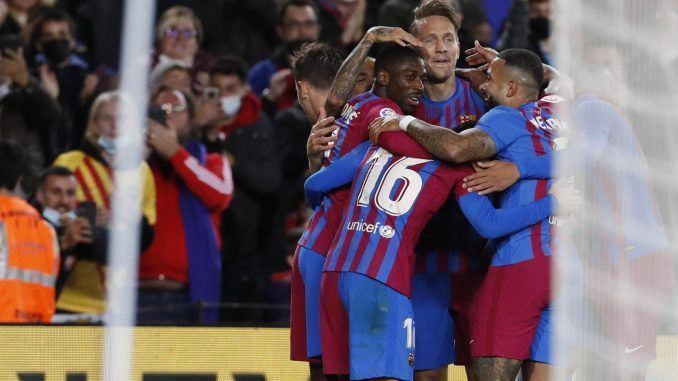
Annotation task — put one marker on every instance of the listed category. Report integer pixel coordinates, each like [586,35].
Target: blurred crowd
[222,194]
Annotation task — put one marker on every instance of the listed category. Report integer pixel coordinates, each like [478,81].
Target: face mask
[5,89]
[163,59]
[56,51]
[230,105]
[107,144]
[54,217]
[540,27]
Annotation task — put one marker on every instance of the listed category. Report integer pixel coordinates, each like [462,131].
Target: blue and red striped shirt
[523,134]
[353,124]
[449,243]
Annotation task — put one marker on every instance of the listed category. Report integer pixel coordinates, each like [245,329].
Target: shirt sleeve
[339,173]
[400,144]
[211,183]
[494,223]
[499,123]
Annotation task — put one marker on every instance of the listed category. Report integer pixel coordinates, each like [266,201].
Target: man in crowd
[29,249]
[58,202]
[271,79]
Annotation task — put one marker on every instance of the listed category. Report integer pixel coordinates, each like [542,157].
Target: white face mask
[231,104]
[54,217]
[5,89]
[187,63]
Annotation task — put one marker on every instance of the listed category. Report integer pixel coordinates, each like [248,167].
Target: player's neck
[441,91]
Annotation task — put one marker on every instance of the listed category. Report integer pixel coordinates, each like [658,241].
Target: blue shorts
[540,350]
[431,294]
[367,328]
[305,307]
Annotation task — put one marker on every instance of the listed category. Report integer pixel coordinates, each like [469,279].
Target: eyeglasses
[300,25]
[186,34]
[172,109]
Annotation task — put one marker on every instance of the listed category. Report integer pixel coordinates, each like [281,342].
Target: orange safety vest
[29,263]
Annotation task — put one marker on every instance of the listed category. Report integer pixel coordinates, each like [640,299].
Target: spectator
[529,27]
[246,135]
[183,265]
[178,37]
[271,79]
[64,75]
[28,114]
[342,22]
[30,254]
[17,12]
[93,166]
[172,75]
[57,201]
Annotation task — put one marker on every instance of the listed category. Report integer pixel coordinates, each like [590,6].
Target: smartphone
[158,114]
[210,93]
[88,211]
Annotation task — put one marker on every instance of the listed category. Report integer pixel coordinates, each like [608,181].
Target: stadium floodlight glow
[123,249]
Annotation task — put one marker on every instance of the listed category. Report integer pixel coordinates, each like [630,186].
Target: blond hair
[171,15]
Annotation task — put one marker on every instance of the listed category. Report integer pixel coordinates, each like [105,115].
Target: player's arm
[399,144]
[496,175]
[443,143]
[335,175]
[346,78]
[493,223]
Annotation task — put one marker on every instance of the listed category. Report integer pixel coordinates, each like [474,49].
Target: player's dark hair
[12,164]
[391,55]
[317,63]
[230,65]
[282,10]
[55,170]
[525,61]
[441,8]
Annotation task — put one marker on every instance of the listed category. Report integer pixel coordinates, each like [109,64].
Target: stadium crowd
[236,88]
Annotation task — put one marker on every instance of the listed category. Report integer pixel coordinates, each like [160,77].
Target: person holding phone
[28,111]
[182,267]
[93,166]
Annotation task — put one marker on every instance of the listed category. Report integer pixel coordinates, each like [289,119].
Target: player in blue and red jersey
[367,283]
[395,88]
[506,325]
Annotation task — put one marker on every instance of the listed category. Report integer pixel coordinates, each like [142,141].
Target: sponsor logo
[384,112]
[555,221]
[385,231]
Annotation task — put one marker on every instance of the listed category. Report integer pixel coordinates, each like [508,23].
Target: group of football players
[394,278]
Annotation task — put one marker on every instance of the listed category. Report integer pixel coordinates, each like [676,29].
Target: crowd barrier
[75,353]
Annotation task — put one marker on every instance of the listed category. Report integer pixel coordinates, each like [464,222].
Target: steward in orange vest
[29,251]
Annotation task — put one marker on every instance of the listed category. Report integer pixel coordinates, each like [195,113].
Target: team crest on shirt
[410,359]
[467,118]
[384,112]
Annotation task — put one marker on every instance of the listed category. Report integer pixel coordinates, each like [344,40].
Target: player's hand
[491,176]
[568,198]
[479,55]
[383,124]
[391,34]
[320,139]
[76,231]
